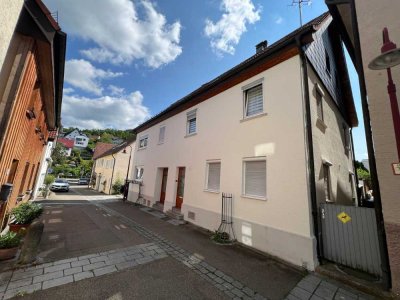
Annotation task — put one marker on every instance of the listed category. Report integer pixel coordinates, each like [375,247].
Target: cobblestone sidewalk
[44,276]
[316,288]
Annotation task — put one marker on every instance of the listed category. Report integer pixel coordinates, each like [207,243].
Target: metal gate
[350,237]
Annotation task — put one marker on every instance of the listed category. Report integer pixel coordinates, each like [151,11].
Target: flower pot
[17,227]
[8,253]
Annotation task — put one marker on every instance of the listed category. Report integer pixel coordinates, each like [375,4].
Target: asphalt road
[75,226]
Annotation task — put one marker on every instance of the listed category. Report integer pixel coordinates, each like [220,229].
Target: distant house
[101,148]
[68,145]
[80,139]
[273,132]
[112,165]
[32,59]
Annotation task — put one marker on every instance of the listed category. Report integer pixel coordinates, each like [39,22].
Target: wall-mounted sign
[396,168]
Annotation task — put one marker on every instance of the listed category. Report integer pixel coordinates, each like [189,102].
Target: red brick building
[31,83]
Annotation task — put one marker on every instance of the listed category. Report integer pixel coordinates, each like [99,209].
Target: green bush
[26,213]
[9,240]
[49,179]
[116,187]
[221,237]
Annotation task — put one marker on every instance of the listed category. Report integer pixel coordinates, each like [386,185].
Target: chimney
[261,46]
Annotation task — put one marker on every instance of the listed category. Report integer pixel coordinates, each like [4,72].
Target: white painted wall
[279,225]
[9,14]
[329,146]
[44,164]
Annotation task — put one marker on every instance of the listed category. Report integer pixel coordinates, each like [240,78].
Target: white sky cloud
[120,34]
[115,90]
[225,34]
[82,74]
[279,20]
[119,112]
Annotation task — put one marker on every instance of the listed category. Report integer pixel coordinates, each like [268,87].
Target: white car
[60,185]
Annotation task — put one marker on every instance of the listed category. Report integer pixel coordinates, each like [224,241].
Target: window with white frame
[213,176]
[253,101]
[139,173]
[191,123]
[143,142]
[255,178]
[320,108]
[161,135]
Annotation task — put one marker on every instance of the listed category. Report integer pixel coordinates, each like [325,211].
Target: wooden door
[180,187]
[163,185]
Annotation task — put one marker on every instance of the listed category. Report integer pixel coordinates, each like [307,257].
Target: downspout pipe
[386,275]
[112,174]
[353,158]
[310,148]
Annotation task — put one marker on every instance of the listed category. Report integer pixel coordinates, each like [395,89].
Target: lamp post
[390,57]
[127,174]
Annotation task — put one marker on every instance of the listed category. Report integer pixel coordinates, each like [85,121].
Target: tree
[364,175]
[58,155]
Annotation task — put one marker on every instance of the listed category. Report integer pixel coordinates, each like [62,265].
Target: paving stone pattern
[231,287]
[316,288]
[44,276]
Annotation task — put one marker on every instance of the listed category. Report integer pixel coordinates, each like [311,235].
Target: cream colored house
[113,165]
[273,134]
[362,23]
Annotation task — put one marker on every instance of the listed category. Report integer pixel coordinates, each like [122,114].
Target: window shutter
[256,178]
[214,173]
[254,101]
[162,135]
[192,125]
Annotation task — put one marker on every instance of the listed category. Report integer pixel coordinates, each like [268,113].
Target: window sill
[253,117]
[143,148]
[211,191]
[321,124]
[254,197]
[191,134]
[160,143]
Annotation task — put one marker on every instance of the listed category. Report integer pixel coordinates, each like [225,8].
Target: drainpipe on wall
[354,167]
[386,276]
[310,148]
[112,174]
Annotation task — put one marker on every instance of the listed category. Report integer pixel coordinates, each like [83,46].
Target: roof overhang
[37,22]
[278,52]
[341,13]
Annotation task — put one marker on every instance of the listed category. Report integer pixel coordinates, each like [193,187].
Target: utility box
[5,191]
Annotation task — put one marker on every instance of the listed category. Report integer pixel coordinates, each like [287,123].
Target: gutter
[386,274]
[310,149]
[268,54]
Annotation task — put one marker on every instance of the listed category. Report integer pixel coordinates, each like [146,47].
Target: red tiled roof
[67,143]
[101,148]
[52,135]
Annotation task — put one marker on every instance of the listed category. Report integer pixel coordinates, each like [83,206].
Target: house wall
[329,146]
[81,141]
[21,142]
[9,13]
[106,170]
[372,19]
[279,225]
[44,164]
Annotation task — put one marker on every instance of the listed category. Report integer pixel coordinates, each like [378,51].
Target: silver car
[60,185]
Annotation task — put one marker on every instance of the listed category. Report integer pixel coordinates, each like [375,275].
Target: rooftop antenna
[300,4]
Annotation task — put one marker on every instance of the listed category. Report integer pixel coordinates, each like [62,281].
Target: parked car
[83,181]
[60,185]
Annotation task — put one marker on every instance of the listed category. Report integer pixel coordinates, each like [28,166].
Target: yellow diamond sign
[343,217]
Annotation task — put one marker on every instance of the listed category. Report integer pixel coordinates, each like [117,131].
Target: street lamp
[127,174]
[390,57]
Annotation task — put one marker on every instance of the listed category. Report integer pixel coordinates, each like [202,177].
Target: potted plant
[23,215]
[9,243]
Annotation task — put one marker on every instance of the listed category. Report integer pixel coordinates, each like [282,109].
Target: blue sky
[128,60]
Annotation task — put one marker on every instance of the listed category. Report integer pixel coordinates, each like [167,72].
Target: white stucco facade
[280,223]
[9,14]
